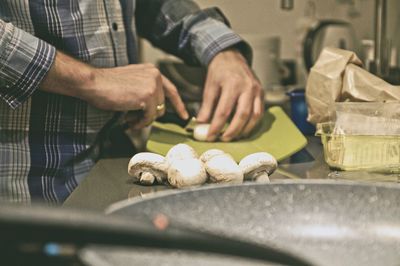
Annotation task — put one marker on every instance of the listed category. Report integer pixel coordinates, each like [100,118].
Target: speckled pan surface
[326,222]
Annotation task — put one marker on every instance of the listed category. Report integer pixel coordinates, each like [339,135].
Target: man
[67,66]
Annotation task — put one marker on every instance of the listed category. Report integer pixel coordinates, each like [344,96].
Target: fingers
[249,109]
[248,113]
[160,96]
[242,115]
[210,99]
[149,115]
[155,98]
[171,93]
[258,112]
[231,85]
[224,108]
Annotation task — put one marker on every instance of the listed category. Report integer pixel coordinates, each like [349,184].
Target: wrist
[85,82]
[70,77]
[227,55]
[242,50]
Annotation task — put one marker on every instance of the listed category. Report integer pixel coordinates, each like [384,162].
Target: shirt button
[115,26]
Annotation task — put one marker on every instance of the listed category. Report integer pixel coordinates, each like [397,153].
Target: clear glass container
[375,153]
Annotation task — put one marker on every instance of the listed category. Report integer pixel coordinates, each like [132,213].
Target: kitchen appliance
[324,33]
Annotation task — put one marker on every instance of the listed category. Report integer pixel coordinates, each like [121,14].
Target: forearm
[28,63]
[68,76]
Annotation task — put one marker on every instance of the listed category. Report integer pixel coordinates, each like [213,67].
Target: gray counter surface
[109,182]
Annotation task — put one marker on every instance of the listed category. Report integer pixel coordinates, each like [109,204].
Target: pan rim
[166,193]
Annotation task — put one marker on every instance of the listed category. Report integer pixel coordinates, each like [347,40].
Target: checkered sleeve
[181,28]
[24,62]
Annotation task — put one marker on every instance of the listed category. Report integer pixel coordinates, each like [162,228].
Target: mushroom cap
[207,155]
[148,162]
[179,152]
[186,173]
[223,169]
[255,163]
[200,132]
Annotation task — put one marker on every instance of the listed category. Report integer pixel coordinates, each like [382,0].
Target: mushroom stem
[262,177]
[258,166]
[147,178]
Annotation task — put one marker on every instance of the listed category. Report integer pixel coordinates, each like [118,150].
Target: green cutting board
[276,135]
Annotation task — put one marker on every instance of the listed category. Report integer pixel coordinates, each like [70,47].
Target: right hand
[134,87]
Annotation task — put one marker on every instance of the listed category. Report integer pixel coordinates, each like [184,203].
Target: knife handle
[137,115]
[173,118]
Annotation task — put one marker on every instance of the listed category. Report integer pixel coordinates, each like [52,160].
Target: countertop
[109,182]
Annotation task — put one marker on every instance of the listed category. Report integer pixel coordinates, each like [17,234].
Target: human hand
[135,87]
[231,87]
[132,87]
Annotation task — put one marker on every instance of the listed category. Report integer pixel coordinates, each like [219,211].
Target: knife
[168,117]
[187,124]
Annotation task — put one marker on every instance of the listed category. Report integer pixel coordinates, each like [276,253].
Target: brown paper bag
[338,77]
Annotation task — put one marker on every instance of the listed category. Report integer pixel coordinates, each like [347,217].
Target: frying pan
[324,222]
[284,223]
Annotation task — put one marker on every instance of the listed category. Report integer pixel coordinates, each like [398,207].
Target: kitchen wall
[266,17]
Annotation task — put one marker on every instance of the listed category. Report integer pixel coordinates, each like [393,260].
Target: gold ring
[160,107]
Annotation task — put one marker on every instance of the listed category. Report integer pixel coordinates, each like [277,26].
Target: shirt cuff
[213,35]
[24,62]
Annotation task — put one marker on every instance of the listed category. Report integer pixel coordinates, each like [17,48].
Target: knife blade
[187,124]
[168,117]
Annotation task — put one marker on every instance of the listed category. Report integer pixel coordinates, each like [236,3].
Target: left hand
[231,87]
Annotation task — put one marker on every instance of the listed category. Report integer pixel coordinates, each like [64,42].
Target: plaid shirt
[44,137]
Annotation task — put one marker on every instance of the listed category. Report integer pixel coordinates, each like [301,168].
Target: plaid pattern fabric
[45,138]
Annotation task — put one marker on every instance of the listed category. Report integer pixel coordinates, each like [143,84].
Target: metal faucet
[382,45]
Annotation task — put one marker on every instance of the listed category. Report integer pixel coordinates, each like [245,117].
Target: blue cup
[299,113]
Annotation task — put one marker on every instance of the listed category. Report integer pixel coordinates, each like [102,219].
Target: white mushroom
[258,166]
[146,167]
[179,152]
[223,169]
[207,155]
[186,173]
[200,132]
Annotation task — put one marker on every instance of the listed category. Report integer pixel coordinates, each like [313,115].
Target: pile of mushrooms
[182,167]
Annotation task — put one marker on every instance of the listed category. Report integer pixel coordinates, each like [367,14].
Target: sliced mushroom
[147,167]
[207,155]
[258,166]
[200,132]
[223,169]
[179,152]
[186,173]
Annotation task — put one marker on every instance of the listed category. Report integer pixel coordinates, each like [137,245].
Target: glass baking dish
[375,153]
